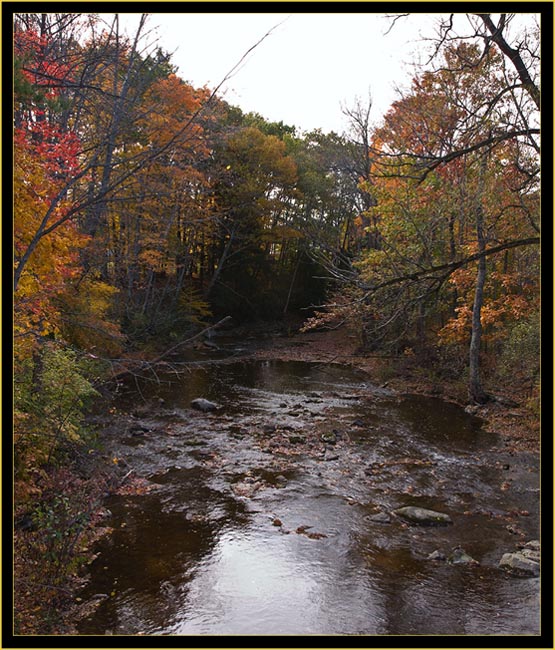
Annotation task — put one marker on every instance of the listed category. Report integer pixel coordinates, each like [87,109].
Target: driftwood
[134,366]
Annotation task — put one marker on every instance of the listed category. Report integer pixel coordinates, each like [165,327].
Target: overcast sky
[306,69]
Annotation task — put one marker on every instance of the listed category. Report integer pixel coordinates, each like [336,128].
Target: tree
[252,186]
[518,88]
[100,90]
[152,241]
[447,114]
[453,183]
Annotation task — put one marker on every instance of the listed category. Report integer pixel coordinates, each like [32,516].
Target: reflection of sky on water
[253,584]
[194,558]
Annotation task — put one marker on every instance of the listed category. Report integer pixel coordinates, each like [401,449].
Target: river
[273,514]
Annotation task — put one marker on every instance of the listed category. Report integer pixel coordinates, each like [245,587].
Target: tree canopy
[145,207]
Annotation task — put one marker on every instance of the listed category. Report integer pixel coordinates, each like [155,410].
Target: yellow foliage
[281,233]
[53,262]
[87,320]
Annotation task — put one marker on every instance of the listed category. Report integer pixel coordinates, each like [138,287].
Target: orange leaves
[153,259]
[463,279]
[494,316]
[173,102]
[457,329]
[149,235]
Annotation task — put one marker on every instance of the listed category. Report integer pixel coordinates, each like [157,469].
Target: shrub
[520,354]
[51,395]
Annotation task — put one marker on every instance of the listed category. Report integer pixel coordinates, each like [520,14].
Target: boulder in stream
[526,561]
[436,555]
[422,516]
[204,405]
[520,564]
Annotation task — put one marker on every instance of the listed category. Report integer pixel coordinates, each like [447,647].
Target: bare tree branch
[514,55]
[450,267]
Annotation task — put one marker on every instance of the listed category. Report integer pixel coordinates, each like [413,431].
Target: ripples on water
[198,556]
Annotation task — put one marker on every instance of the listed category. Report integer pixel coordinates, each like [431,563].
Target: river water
[252,524]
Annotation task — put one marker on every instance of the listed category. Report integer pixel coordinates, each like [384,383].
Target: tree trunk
[286,307]
[221,263]
[475,391]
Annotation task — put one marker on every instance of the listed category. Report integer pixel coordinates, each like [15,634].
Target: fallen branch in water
[190,340]
[137,365]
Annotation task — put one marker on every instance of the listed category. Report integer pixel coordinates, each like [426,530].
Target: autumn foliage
[145,208]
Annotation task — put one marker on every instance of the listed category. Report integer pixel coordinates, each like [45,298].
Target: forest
[146,210]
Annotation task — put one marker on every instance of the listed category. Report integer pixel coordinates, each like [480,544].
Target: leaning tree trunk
[216,275]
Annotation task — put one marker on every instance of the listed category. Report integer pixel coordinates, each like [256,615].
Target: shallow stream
[253,524]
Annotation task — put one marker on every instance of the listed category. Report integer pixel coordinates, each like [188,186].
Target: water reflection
[199,556]
[252,584]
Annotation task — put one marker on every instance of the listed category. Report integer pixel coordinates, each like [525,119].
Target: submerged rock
[246,489]
[138,430]
[422,516]
[460,556]
[380,518]
[436,555]
[204,405]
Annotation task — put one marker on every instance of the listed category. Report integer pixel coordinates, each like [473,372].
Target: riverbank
[296,458]
[507,416]
[511,420]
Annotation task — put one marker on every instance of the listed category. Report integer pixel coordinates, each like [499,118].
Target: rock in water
[519,564]
[436,555]
[204,405]
[423,516]
[380,518]
[460,556]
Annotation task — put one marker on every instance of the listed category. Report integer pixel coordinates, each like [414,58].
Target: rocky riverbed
[285,507]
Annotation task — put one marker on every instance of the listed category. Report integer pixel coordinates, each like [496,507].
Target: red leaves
[57,150]
[39,66]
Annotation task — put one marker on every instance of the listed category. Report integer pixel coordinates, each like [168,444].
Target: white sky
[305,70]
